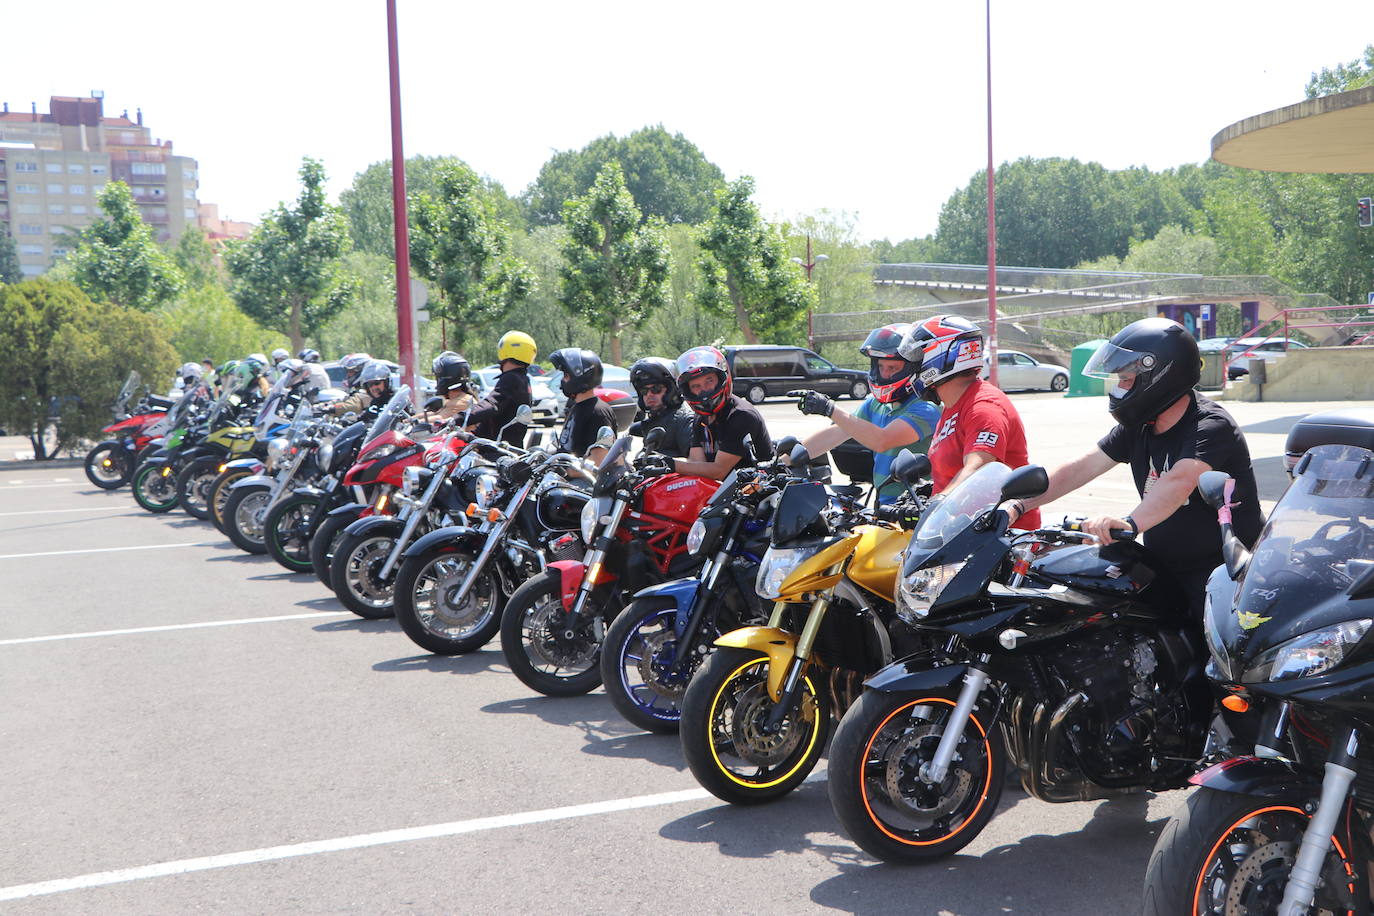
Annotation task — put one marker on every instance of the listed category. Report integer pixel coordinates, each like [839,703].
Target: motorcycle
[454,582]
[1076,662]
[251,497]
[153,483]
[755,717]
[1282,821]
[111,462]
[635,528]
[292,522]
[226,438]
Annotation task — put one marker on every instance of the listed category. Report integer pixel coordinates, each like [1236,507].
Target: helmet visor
[1111,361]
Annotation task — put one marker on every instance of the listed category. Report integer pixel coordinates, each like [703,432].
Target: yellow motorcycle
[756,716]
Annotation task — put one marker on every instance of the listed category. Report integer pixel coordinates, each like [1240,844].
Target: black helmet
[1160,358]
[581,369]
[450,371]
[882,343]
[308,355]
[655,370]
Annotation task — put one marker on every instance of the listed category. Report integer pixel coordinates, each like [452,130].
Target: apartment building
[54,164]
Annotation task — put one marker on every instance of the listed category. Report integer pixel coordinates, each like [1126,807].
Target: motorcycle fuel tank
[677,497]
[878,558]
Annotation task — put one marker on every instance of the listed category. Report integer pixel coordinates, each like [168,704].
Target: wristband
[1135,529]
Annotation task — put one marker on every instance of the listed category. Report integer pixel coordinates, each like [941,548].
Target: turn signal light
[1236,703]
[222,467]
[493,515]
[472,510]
[381,502]
[166,472]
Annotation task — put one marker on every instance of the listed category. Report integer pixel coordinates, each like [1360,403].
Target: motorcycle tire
[153,490]
[354,573]
[243,517]
[726,750]
[193,488]
[219,495]
[1193,867]
[883,740]
[639,643]
[286,532]
[544,660]
[323,544]
[109,466]
[426,586]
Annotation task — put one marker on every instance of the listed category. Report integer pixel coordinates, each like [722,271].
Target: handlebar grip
[1123,534]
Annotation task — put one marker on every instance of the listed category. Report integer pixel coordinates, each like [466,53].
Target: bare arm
[823,440]
[695,464]
[972,462]
[870,435]
[1069,477]
[1167,494]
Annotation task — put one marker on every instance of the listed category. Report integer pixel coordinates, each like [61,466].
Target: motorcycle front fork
[1340,774]
[791,684]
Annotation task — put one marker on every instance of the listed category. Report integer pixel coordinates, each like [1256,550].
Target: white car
[1016,371]
[612,376]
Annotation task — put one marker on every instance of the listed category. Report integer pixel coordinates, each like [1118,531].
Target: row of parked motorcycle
[759,614]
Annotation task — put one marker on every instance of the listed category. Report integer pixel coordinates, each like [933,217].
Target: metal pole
[992,219]
[405,317]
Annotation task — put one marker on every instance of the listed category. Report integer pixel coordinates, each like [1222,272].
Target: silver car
[1017,371]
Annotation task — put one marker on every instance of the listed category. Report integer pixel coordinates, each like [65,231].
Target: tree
[463,249]
[287,275]
[66,358]
[204,323]
[196,260]
[367,203]
[1173,250]
[116,259]
[666,173]
[617,270]
[746,272]
[10,271]
[1343,77]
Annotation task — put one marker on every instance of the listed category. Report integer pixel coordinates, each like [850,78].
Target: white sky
[875,108]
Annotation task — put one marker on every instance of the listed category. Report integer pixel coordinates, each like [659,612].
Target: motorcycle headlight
[380,452]
[276,451]
[410,481]
[695,536]
[917,592]
[484,487]
[1309,654]
[779,563]
[325,456]
[1221,658]
[591,512]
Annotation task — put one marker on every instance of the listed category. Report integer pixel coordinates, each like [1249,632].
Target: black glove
[656,465]
[813,402]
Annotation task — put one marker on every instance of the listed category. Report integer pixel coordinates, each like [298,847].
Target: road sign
[1206,313]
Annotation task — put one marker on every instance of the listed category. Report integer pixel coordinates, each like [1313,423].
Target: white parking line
[67,553]
[55,511]
[174,626]
[37,486]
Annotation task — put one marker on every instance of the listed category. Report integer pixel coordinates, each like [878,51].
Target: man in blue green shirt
[892,419]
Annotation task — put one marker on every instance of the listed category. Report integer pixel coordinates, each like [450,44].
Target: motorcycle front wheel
[355,572]
[539,649]
[323,544]
[725,735]
[219,495]
[876,787]
[286,532]
[428,607]
[154,490]
[1227,853]
[108,465]
[244,512]
[640,648]
[193,488]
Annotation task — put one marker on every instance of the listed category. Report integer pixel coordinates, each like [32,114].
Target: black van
[769,371]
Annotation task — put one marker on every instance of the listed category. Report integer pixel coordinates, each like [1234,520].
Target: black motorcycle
[1283,824]
[1075,662]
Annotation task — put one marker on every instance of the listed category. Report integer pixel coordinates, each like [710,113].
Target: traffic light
[1366,211]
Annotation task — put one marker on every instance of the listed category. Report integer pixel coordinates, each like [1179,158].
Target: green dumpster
[1213,371]
[1080,385]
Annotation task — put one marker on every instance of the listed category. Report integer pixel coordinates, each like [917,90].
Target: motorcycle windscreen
[951,515]
[1318,540]
[397,407]
[612,467]
[799,513]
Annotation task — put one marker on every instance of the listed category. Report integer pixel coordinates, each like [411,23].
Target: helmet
[279,354]
[942,346]
[883,343]
[697,362]
[450,371]
[308,355]
[293,370]
[353,363]
[256,363]
[190,371]
[1160,358]
[581,369]
[516,345]
[655,370]
[376,371]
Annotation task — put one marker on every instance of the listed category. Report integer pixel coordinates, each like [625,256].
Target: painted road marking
[55,511]
[38,486]
[175,626]
[67,553]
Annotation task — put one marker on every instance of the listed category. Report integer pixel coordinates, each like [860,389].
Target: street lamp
[809,265]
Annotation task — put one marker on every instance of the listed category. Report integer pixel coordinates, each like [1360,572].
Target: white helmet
[278,355]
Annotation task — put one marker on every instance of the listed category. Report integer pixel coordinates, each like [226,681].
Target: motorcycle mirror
[605,438]
[524,415]
[1234,554]
[908,467]
[1026,482]
[1363,571]
[652,439]
[434,403]
[785,446]
[533,440]
[799,457]
[1212,486]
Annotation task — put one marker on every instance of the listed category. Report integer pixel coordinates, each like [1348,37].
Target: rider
[318,377]
[655,381]
[894,394]
[726,425]
[515,351]
[1170,435]
[372,378]
[585,413]
[259,385]
[188,379]
[453,383]
[978,423]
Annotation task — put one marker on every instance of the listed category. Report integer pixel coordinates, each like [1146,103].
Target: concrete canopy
[1334,133]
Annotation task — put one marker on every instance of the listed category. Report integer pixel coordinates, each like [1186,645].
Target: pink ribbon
[1224,513]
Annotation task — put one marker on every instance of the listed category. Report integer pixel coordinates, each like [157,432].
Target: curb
[32,465]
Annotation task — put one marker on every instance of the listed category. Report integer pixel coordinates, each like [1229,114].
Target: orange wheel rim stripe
[982,798]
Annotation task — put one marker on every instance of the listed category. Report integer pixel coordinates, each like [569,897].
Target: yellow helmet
[517,345]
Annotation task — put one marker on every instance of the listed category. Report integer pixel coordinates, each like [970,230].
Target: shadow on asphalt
[787,825]
[321,604]
[359,625]
[661,750]
[283,576]
[240,557]
[592,714]
[471,663]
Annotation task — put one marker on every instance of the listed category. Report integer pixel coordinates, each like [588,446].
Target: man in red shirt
[978,423]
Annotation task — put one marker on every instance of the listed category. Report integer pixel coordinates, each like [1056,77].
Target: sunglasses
[655,389]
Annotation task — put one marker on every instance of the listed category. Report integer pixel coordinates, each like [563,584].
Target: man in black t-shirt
[516,352]
[726,426]
[586,413]
[1170,435]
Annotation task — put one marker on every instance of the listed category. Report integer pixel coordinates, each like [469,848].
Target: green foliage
[617,270]
[204,323]
[912,251]
[666,173]
[63,352]
[746,272]
[684,322]
[1343,77]
[463,249]
[116,259]
[10,271]
[287,274]
[367,203]
[196,260]
[369,325]
[844,280]
[1173,250]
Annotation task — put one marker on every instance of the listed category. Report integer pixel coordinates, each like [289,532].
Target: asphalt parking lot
[188,728]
